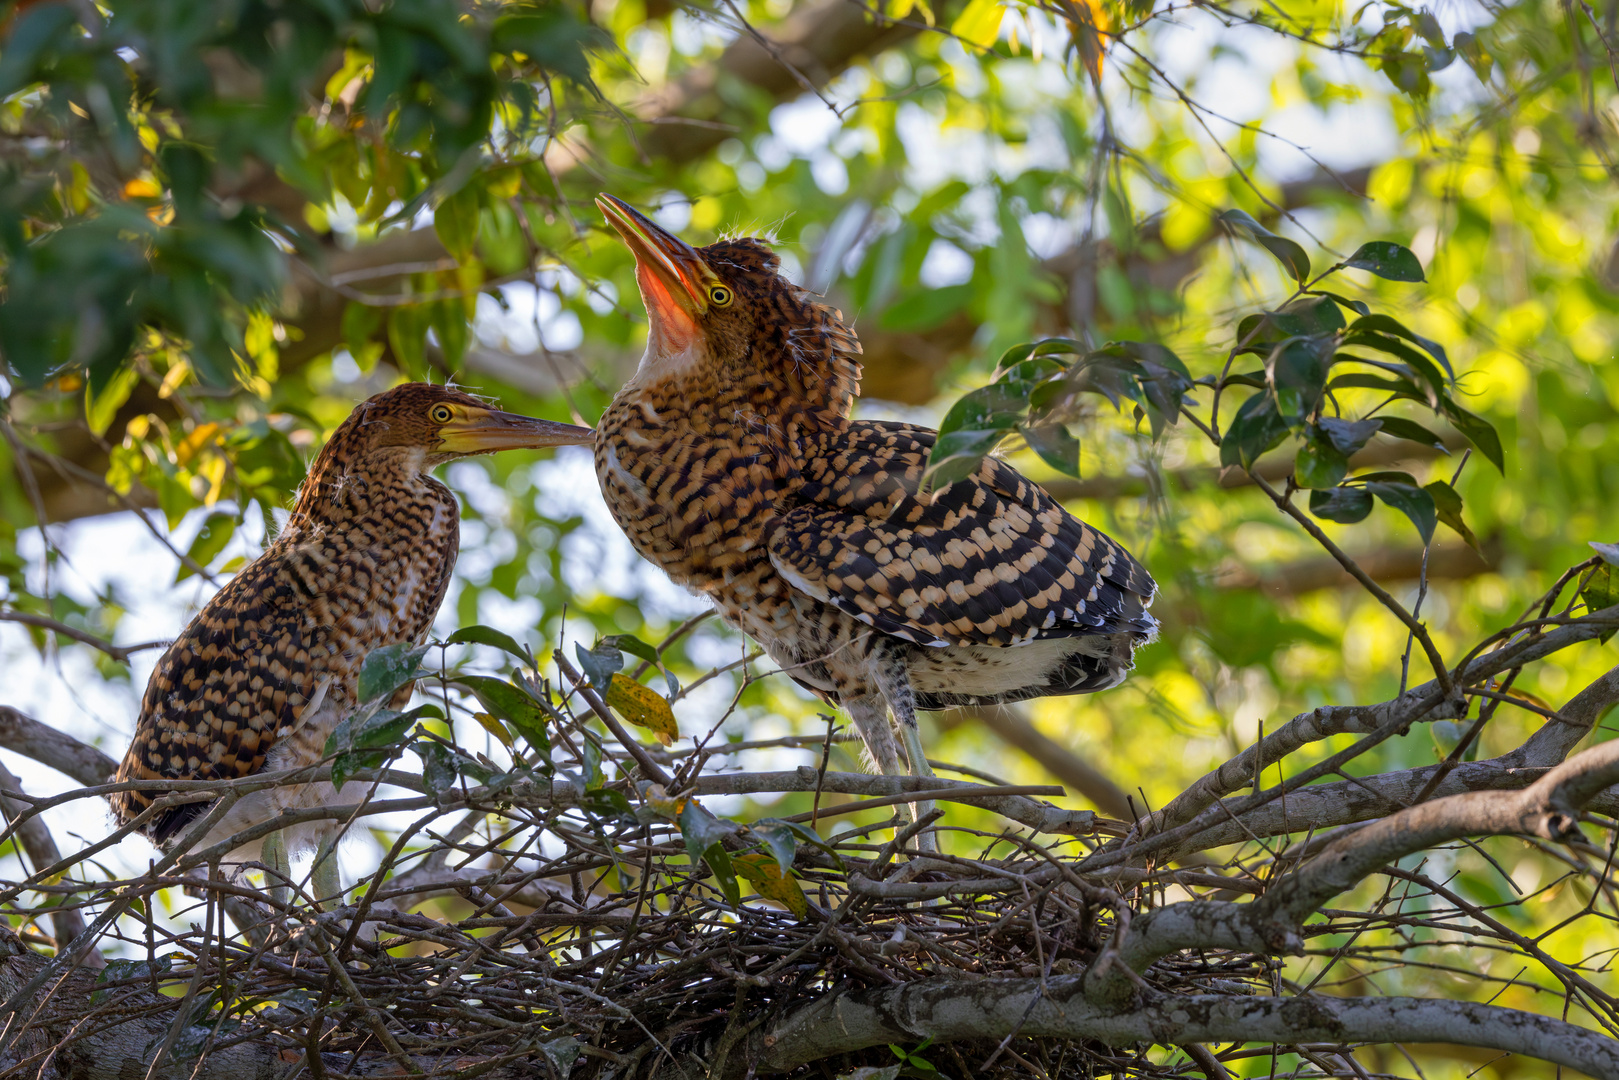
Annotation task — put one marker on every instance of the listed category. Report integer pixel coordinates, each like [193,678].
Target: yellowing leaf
[200,436]
[494,727]
[771,882]
[141,189]
[980,23]
[643,706]
[1089,27]
[901,9]
[658,799]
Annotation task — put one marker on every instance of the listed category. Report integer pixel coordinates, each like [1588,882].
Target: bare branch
[951,1009]
[48,746]
[120,653]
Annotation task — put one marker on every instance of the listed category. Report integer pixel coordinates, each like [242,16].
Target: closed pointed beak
[483,431]
[669,270]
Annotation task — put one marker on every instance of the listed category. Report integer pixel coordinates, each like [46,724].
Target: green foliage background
[190,191]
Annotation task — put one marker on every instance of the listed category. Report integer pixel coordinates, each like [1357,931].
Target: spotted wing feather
[989,560]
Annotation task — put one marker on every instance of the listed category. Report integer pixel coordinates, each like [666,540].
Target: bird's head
[435,424]
[726,307]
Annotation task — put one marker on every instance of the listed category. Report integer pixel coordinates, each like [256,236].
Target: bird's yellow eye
[441,414]
[719,296]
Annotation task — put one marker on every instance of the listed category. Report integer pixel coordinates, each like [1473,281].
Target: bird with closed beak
[264,673]
[731,460]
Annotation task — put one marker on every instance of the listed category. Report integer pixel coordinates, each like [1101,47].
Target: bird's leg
[278,870]
[326,878]
[894,680]
[870,715]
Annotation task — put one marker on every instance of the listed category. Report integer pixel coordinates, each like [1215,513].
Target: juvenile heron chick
[263,674]
[731,461]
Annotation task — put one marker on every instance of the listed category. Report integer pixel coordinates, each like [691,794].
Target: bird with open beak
[731,461]
[267,669]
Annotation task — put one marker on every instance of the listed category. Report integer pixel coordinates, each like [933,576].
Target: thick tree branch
[951,1009]
[46,745]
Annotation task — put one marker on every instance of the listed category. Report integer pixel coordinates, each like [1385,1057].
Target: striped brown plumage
[731,461]
[264,672]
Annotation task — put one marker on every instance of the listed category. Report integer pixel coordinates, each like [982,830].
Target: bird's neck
[342,486]
[809,371]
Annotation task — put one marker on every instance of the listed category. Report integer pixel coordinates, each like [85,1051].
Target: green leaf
[781,840]
[1289,253]
[996,407]
[438,765]
[599,663]
[1319,464]
[1384,324]
[1448,505]
[634,646]
[591,758]
[552,37]
[957,455]
[1411,431]
[350,762]
[1478,431]
[1255,429]
[724,874]
[361,325]
[1359,307]
[388,668]
[1297,372]
[210,541]
[1348,436]
[407,333]
[456,222]
[385,727]
[1412,501]
[1387,260]
[1345,505]
[700,829]
[704,836]
[1601,590]
[1055,445]
[484,635]
[607,803]
[1415,362]
[102,405]
[1356,380]
[120,970]
[514,705]
[804,833]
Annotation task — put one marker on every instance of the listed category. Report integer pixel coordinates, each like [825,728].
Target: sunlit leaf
[979,22]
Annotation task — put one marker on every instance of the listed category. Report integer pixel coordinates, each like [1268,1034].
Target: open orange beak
[483,431]
[669,271]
